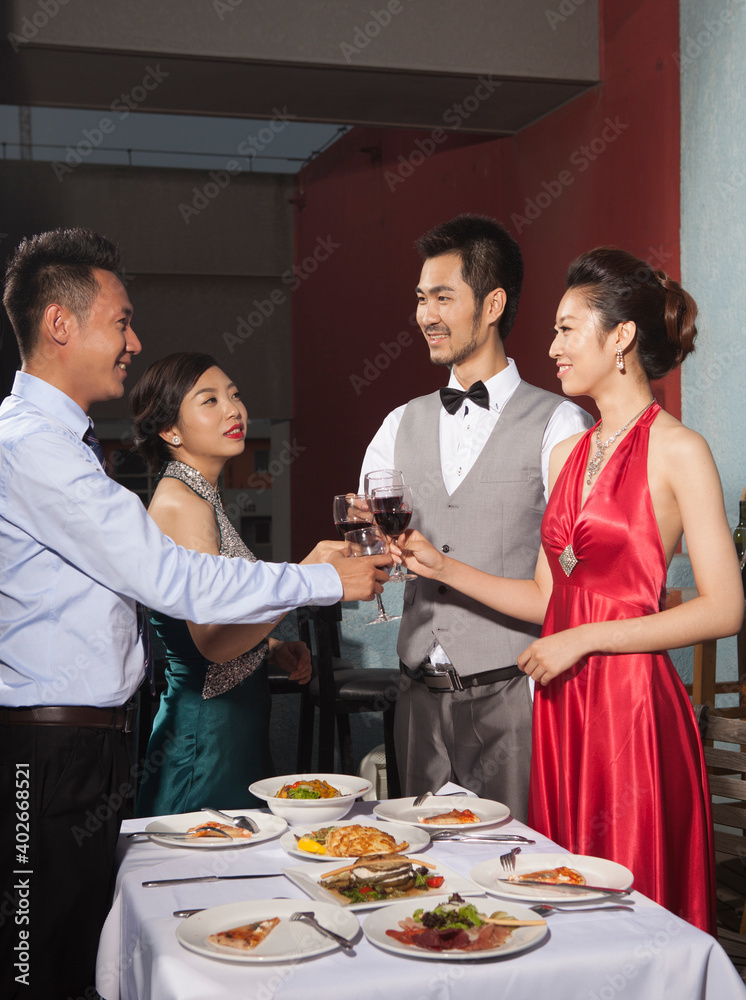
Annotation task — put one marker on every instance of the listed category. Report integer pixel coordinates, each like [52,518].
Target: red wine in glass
[392,522]
[344,526]
[392,512]
[350,512]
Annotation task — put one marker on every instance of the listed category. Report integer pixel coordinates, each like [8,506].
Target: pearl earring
[176,440]
[619,359]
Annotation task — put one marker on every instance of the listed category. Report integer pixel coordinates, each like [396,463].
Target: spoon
[241,821]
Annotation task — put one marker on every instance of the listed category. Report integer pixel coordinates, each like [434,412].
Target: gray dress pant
[479,738]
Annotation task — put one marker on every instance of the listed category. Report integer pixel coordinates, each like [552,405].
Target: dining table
[640,954]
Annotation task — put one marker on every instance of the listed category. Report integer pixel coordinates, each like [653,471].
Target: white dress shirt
[77,551]
[464,433]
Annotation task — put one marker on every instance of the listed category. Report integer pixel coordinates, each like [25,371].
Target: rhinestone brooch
[568,560]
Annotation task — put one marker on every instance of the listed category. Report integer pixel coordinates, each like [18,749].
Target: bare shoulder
[184,516]
[559,455]
[562,450]
[681,454]
[669,435]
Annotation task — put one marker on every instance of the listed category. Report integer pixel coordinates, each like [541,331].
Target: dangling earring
[619,359]
[176,440]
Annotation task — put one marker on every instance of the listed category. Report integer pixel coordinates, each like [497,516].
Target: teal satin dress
[206,750]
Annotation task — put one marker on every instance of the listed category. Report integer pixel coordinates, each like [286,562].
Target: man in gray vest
[476,456]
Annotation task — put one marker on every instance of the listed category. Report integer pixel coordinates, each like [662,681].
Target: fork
[545,911]
[508,860]
[179,836]
[421,798]
[309,918]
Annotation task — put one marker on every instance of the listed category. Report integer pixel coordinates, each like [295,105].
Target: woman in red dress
[617,768]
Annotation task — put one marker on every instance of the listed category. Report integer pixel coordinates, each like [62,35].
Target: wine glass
[370,541]
[351,511]
[392,511]
[381,477]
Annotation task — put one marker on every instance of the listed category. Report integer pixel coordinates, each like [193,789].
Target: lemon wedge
[312,846]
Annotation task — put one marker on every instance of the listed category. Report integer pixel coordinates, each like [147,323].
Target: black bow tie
[453,398]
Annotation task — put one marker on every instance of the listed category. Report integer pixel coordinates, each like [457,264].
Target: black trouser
[62,794]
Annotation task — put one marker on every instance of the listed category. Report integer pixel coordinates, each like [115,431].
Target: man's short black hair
[56,266]
[490,258]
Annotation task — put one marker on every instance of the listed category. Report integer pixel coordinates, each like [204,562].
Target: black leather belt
[443,677]
[79,716]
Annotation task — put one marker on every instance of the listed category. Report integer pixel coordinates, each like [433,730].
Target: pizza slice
[454,816]
[552,876]
[246,937]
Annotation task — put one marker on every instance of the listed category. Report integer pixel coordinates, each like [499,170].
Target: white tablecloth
[646,955]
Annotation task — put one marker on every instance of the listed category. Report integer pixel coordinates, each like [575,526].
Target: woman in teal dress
[210,738]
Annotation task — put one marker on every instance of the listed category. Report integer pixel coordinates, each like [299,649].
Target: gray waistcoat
[490,521]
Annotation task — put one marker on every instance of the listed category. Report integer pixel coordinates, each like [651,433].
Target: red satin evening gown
[617,769]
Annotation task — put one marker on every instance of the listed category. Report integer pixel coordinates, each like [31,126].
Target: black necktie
[453,398]
[94,444]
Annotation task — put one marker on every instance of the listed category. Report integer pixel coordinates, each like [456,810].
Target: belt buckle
[448,672]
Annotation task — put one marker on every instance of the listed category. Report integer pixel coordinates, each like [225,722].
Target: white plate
[596,871]
[308,877]
[269,826]
[417,839]
[402,811]
[376,925]
[285,943]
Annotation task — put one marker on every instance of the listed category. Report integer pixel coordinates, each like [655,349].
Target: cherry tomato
[435,881]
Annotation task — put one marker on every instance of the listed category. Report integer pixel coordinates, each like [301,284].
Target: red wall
[602,169]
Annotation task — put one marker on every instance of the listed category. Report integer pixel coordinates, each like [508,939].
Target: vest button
[442,589]
[446,548]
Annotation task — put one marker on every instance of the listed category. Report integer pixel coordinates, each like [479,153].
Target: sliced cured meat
[213,830]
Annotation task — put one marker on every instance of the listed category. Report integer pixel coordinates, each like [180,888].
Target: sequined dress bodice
[220,677]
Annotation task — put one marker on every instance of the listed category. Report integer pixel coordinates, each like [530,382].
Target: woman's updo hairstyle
[156,399]
[620,287]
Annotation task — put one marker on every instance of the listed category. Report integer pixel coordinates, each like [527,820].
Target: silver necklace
[595,463]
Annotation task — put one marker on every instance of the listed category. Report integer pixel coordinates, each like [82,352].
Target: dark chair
[726,770]
[280,684]
[339,689]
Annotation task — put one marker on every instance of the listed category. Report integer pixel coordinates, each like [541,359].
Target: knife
[207,878]
[569,885]
[446,837]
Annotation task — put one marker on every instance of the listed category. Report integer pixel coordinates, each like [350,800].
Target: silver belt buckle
[447,672]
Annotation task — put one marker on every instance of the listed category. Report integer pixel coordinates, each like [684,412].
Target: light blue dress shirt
[77,551]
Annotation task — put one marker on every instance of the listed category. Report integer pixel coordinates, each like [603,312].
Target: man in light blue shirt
[78,553]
